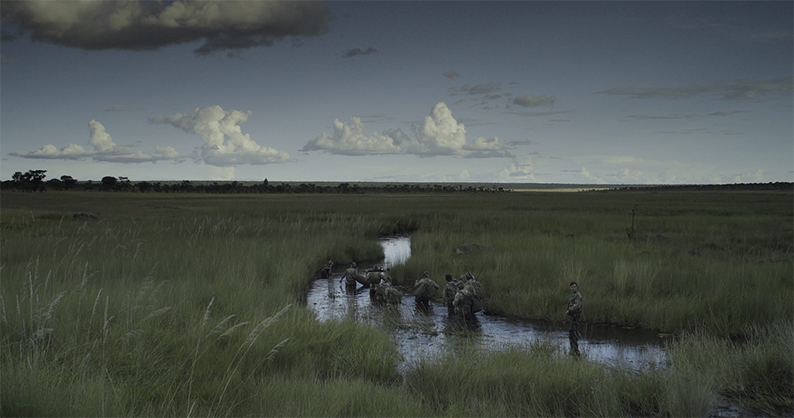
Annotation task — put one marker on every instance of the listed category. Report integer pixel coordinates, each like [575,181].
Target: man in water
[449,293]
[350,276]
[574,311]
[425,290]
[327,270]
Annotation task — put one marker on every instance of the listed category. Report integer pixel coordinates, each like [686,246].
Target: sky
[615,92]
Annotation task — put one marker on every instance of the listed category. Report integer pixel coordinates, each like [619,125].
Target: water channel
[424,336]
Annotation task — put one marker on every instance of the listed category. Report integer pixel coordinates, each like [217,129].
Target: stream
[424,336]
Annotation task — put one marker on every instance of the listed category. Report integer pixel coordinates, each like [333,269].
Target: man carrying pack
[374,278]
[391,296]
[466,303]
[425,290]
[449,293]
[574,311]
[350,276]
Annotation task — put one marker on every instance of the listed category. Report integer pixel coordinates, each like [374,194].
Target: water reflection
[425,334]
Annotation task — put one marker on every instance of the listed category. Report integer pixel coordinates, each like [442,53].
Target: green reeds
[172,305]
[538,380]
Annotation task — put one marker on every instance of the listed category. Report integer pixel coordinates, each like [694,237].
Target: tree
[108,182]
[31,180]
[144,186]
[68,181]
[34,176]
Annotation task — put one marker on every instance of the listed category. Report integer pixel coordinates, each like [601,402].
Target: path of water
[423,335]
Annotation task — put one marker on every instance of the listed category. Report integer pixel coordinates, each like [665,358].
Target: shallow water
[421,335]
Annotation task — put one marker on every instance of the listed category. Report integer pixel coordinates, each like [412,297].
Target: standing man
[574,311]
[350,276]
[327,271]
[449,293]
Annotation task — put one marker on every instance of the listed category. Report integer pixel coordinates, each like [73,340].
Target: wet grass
[163,305]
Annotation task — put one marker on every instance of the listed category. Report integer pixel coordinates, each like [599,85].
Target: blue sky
[446,91]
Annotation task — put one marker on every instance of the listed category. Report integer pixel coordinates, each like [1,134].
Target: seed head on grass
[208,313]
[231,330]
[156,313]
[257,331]
[221,326]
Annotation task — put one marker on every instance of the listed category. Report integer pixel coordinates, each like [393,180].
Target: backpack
[450,291]
[476,304]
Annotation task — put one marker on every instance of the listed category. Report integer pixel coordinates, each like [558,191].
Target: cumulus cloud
[104,149]
[438,134]
[149,25]
[534,101]
[738,90]
[356,51]
[224,142]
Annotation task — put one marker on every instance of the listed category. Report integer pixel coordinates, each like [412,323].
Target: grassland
[187,304]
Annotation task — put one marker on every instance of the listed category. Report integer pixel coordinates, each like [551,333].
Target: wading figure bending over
[574,311]
[425,291]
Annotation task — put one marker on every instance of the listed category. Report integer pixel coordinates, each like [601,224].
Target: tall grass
[191,304]
[537,380]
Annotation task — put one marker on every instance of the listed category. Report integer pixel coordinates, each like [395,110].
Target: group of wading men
[463,297]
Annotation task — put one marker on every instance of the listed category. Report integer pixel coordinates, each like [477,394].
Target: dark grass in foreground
[190,304]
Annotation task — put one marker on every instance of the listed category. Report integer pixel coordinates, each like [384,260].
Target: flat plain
[129,304]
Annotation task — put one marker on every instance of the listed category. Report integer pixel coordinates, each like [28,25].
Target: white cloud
[104,149]
[70,152]
[438,134]
[100,139]
[224,142]
[350,139]
[482,144]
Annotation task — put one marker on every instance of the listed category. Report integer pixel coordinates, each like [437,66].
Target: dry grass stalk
[156,313]
[221,326]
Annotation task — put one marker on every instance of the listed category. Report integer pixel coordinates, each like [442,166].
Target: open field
[131,304]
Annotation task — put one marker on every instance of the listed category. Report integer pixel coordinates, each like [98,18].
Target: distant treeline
[33,181]
[782,186]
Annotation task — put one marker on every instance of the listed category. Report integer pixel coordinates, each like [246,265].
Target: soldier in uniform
[327,271]
[476,287]
[391,296]
[374,278]
[350,276]
[424,290]
[574,311]
[449,293]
